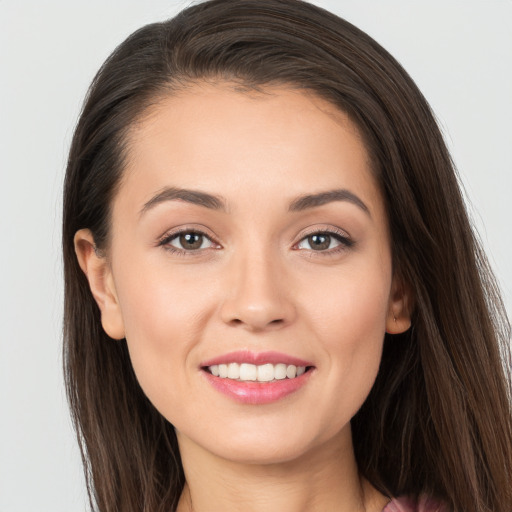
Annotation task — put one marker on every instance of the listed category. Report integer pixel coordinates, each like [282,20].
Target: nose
[258,294]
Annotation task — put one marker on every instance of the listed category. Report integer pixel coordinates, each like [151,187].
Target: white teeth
[223,370]
[291,371]
[248,372]
[233,371]
[280,371]
[265,373]
[262,373]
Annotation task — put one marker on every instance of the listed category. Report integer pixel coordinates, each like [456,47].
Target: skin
[256,283]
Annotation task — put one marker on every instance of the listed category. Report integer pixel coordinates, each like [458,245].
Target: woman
[274,298]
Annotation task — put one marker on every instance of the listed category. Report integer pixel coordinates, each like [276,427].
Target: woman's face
[248,231]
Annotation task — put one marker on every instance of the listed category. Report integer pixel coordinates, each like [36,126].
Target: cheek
[160,303]
[164,318]
[350,324]
[349,308]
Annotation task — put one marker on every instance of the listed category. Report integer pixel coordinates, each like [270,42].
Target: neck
[325,479]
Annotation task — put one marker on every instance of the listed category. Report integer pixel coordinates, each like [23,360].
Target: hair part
[438,418]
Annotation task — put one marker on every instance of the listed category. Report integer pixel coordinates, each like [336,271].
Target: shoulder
[424,504]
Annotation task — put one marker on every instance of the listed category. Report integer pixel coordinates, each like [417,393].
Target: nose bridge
[257,296]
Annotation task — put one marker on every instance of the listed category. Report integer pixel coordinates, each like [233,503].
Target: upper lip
[256,358]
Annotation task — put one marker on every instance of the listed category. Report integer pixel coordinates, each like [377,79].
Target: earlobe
[97,270]
[398,319]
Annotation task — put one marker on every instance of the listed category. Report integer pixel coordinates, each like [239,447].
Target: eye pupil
[319,242]
[191,240]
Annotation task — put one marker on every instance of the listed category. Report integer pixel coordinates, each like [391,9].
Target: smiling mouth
[246,372]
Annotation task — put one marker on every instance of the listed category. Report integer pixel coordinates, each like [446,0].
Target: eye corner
[334,241]
[175,241]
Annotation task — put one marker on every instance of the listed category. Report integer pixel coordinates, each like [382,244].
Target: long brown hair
[438,419]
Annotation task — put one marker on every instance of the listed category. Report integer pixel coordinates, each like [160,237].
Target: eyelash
[165,242]
[344,242]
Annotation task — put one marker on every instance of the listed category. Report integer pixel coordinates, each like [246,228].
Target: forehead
[214,135]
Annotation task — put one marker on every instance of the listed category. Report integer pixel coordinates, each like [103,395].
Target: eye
[187,241]
[324,241]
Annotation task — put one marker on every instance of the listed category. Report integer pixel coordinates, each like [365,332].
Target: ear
[400,307]
[97,270]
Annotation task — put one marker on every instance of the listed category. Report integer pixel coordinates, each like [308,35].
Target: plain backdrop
[459,53]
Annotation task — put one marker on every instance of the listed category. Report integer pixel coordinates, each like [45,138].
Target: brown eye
[325,241]
[190,241]
[319,242]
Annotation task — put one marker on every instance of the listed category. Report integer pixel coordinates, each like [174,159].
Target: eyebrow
[313,200]
[187,195]
[212,202]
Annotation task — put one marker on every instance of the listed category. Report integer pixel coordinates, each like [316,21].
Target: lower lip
[257,393]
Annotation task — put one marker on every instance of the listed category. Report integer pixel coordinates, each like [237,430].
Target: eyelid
[346,241]
[165,239]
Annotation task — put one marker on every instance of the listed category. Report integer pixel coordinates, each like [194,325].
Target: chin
[266,444]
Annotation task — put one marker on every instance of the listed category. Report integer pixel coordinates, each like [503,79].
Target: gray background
[459,52]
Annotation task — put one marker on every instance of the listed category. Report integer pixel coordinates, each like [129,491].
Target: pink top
[424,504]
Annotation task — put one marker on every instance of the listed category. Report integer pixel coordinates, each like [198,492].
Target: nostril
[256,314]
[257,325]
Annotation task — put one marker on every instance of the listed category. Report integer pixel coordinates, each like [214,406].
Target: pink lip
[257,393]
[257,358]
